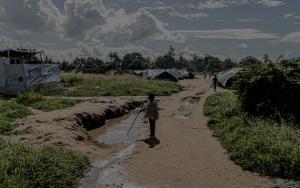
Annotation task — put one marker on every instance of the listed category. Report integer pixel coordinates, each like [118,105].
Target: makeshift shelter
[225,77]
[163,74]
[17,74]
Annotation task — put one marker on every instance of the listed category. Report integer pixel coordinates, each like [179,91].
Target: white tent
[224,77]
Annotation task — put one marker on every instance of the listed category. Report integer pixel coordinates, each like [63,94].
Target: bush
[266,147]
[23,167]
[9,112]
[266,91]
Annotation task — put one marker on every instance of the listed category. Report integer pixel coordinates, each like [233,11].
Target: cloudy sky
[228,28]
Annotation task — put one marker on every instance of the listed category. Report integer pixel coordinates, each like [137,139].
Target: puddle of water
[109,173]
[182,117]
[118,134]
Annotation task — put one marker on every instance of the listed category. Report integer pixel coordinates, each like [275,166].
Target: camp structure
[225,77]
[163,74]
[22,70]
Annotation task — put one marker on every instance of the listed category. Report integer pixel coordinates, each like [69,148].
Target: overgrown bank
[263,146]
[23,166]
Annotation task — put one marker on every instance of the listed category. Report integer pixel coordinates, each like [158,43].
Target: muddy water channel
[116,132]
[109,173]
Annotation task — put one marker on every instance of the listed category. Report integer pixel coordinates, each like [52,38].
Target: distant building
[22,70]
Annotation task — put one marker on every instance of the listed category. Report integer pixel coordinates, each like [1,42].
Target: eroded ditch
[91,121]
[109,173]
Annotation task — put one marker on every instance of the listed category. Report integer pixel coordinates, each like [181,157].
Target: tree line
[136,61]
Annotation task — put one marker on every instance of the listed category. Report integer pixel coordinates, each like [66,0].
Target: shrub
[266,91]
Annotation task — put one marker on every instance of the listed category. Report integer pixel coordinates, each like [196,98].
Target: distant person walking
[215,82]
[152,114]
[204,75]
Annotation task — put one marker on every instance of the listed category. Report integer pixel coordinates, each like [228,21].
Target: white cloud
[242,45]
[271,3]
[290,38]
[236,34]
[288,15]
[291,15]
[93,29]
[135,26]
[188,16]
[214,4]
[82,16]
[32,15]
[248,20]
[173,12]
[11,43]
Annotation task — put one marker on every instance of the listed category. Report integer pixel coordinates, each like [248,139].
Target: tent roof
[223,77]
[18,53]
[153,73]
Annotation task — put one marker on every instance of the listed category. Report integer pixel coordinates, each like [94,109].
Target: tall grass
[82,85]
[37,101]
[258,145]
[22,166]
[9,112]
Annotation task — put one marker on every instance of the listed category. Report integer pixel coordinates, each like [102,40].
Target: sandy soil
[63,128]
[188,154]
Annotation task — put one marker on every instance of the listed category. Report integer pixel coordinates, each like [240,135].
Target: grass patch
[23,167]
[36,101]
[263,146]
[9,112]
[90,85]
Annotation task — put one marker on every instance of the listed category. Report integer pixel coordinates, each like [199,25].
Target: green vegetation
[9,112]
[36,101]
[23,167]
[89,85]
[266,90]
[136,61]
[263,146]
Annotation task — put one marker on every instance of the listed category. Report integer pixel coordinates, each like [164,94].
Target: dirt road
[187,156]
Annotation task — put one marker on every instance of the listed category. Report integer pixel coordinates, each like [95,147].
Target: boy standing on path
[152,114]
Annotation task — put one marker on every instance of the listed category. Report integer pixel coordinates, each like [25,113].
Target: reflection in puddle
[118,134]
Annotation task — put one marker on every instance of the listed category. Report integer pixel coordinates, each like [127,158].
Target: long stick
[133,123]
